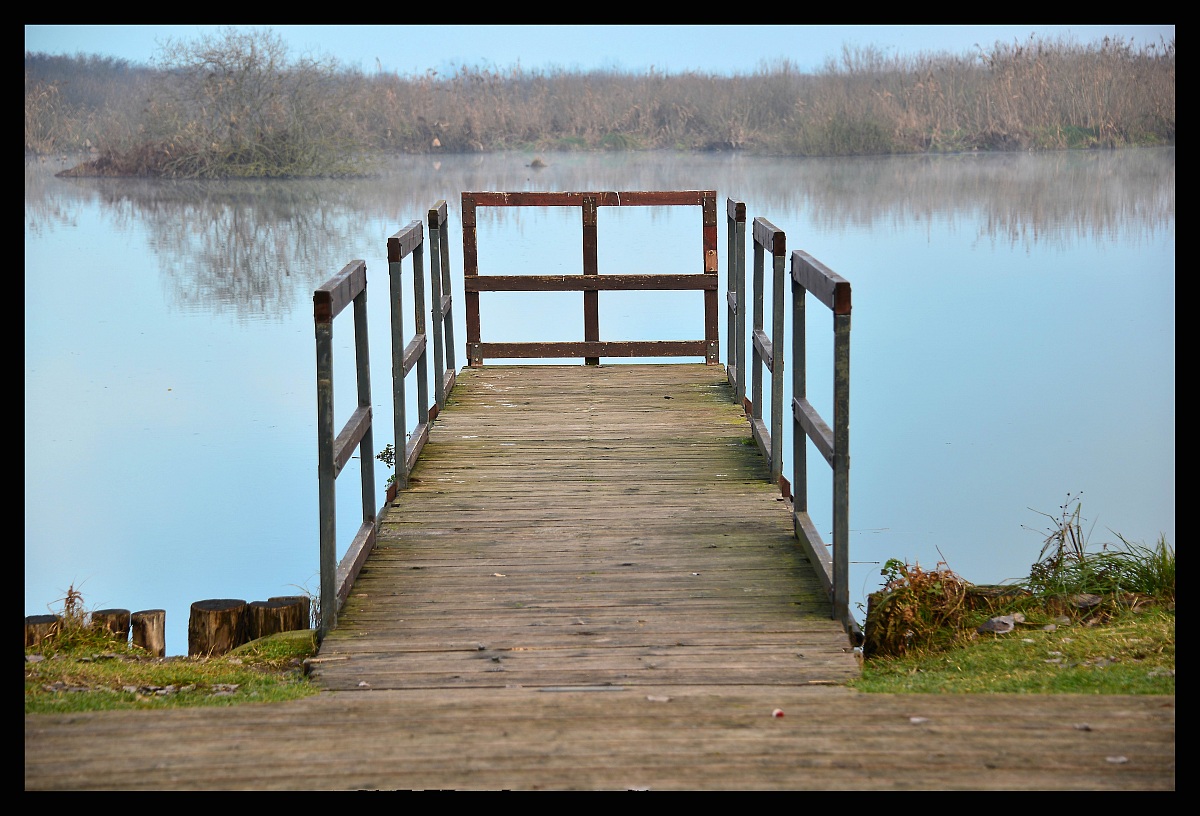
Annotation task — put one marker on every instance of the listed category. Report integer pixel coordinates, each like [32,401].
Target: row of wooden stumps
[221,625]
[215,627]
[147,628]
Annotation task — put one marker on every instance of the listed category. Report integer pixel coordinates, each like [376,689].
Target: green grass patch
[1086,620]
[82,678]
[1130,653]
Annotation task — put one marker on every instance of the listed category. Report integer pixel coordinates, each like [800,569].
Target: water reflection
[997,357]
[249,245]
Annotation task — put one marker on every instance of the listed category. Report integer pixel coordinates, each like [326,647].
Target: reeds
[1040,94]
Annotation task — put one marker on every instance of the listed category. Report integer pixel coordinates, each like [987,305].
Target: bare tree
[236,104]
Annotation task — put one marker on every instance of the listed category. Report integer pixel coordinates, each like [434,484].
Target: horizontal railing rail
[591,282]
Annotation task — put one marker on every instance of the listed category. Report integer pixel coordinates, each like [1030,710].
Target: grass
[117,677]
[1132,652]
[1099,621]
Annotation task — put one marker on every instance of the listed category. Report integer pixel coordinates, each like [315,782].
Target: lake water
[1013,345]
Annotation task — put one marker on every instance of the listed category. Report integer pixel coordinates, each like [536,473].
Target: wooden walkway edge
[672,738]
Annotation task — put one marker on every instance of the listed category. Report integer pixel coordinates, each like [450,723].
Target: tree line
[238,104]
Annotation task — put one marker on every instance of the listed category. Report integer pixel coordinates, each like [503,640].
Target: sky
[712,49]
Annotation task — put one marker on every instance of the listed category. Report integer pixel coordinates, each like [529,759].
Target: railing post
[326,491]
[799,395]
[735,236]
[756,385]
[777,364]
[712,310]
[841,460]
[399,397]
[591,266]
[366,445]
[470,273]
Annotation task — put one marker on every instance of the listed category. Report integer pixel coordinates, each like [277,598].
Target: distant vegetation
[237,104]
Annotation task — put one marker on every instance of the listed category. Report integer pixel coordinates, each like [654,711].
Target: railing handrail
[347,287]
[591,282]
[407,355]
[442,306]
[767,351]
[810,276]
[735,297]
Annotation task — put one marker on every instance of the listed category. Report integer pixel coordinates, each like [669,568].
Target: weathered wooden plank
[650,738]
[583,283]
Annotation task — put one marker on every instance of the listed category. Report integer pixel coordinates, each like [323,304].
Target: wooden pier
[590,585]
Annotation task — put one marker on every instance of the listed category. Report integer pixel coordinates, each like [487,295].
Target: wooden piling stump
[114,620]
[149,631]
[40,627]
[300,608]
[216,626]
[271,617]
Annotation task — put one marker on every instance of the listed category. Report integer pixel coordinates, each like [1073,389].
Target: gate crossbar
[591,282]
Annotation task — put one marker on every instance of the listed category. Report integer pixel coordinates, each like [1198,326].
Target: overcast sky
[716,49]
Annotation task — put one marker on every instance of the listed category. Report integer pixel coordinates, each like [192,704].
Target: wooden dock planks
[587,526]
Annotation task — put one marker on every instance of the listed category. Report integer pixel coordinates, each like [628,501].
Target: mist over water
[1013,343]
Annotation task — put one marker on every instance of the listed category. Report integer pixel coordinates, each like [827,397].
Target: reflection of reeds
[257,248]
[1041,94]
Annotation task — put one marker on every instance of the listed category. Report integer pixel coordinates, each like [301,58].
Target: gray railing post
[347,287]
[768,351]
[736,297]
[809,276]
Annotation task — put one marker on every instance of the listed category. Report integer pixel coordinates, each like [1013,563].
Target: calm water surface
[1013,344]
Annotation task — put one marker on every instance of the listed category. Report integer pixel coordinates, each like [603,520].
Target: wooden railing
[735,297]
[591,281]
[408,356]
[443,306]
[767,349]
[345,288]
[808,276]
